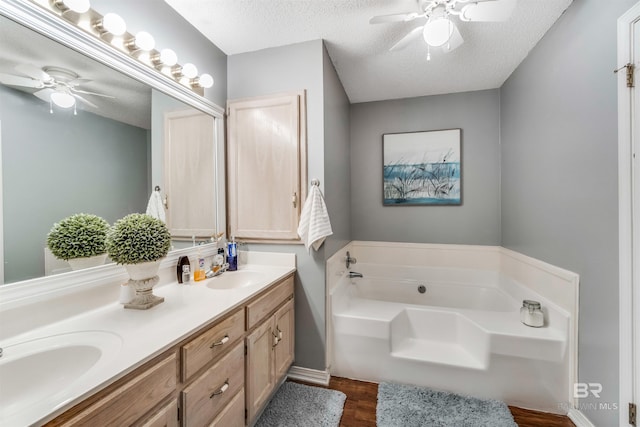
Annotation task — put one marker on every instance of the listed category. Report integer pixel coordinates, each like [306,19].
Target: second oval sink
[236,279]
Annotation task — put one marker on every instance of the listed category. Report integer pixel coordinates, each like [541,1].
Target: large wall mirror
[103,155]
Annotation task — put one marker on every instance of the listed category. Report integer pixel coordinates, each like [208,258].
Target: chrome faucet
[353,274]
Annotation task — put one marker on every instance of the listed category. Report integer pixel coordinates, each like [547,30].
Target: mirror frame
[36,18]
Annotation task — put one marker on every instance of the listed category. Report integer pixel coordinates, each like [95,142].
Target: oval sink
[236,279]
[49,369]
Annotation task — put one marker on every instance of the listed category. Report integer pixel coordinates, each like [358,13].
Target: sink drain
[422,289]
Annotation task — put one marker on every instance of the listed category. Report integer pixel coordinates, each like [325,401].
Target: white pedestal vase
[143,277]
[82,263]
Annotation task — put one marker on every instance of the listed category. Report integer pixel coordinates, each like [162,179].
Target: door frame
[629,286]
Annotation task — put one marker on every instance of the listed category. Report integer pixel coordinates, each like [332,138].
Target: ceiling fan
[57,85]
[439,30]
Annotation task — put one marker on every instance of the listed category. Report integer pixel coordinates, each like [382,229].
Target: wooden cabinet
[130,401]
[190,173]
[228,371]
[270,348]
[266,166]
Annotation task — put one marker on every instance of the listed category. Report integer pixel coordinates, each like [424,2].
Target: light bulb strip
[163,61]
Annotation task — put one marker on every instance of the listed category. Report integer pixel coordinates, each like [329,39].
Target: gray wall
[559,174]
[283,69]
[55,165]
[336,158]
[171,30]
[477,221]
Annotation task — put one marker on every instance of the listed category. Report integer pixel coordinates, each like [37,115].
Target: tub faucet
[353,274]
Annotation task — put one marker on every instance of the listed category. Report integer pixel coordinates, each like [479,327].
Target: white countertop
[142,334]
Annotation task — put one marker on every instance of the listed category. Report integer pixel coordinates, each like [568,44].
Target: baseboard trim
[579,419]
[312,376]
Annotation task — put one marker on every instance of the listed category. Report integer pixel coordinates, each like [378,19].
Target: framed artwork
[422,168]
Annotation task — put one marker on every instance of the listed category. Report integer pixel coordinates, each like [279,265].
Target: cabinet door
[284,331]
[266,166]
[167,416]
[189,173]
[260,376]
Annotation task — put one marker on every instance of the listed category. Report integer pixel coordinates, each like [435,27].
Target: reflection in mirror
[102,155]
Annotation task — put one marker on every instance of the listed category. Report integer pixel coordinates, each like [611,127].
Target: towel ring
[315,182]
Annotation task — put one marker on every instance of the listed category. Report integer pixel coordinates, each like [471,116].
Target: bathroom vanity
[212,354]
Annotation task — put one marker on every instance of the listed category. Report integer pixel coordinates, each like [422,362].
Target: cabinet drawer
[264,305]
[132,400]
[209,345]
[214,389]
[167,416]
[233,414]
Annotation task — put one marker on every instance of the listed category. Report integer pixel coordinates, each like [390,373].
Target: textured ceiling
[360,51]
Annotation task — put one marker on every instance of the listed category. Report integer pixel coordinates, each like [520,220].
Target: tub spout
[353,274]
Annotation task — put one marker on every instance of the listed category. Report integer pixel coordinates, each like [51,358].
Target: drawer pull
[221,390]
[279,333]
[221,342]
[276,340]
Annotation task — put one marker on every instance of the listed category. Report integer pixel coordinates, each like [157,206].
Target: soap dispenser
[200,273]
[232,255]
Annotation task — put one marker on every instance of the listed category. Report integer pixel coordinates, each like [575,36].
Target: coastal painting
[422,168]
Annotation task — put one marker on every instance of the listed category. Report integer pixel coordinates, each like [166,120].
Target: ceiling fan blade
[406,40]
[488,11]
[11,80]
[86,92]
[455,41]
[396,17]
[85,101]
[34,72]
[44,94]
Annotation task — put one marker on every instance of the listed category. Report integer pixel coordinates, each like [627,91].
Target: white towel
[314,220]
[155,207]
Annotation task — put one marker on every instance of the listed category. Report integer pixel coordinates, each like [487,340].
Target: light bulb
[113,24]
[78,6]
[438,31]
[168,57]
[205,80]
[142,41]
[189,70]
[63,99]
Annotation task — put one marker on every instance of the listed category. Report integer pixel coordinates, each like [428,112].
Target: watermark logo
[582,390]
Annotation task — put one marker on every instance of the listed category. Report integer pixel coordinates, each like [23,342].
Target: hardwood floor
[360,407]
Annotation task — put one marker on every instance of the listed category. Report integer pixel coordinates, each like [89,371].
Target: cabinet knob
[294,199]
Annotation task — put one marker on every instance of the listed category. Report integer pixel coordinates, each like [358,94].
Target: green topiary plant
[78,236]
[138,238]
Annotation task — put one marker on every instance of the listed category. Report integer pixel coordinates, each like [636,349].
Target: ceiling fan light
[438,31]
[63,99]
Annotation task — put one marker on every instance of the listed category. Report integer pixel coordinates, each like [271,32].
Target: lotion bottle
[199,274]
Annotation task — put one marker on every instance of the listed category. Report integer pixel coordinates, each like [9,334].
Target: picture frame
[422,168]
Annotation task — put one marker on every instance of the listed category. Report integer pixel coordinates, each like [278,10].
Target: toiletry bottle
[232,255]
[199,274]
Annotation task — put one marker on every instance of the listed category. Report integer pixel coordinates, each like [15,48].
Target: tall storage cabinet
[266,166]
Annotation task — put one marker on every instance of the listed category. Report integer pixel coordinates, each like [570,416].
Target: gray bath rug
[410,406]
[299,405]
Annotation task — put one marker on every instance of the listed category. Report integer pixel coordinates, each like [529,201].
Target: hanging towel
[314,220]
[155,207]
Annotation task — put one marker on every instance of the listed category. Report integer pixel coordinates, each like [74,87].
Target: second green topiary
[78,236]
[138,238]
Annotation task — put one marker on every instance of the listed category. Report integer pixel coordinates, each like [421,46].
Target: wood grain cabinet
[269,347]
[223,375]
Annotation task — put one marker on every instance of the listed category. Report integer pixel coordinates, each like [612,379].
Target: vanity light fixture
[189,70]
[112,29]
[78,6]
[110,23]
[142,41]
[165,57]
[204,81]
